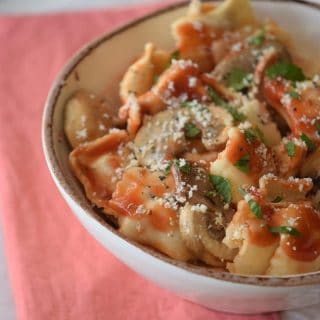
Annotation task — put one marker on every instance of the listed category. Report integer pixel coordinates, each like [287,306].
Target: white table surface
[7,309]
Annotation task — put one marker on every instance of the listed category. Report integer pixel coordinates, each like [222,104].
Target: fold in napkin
[57,270]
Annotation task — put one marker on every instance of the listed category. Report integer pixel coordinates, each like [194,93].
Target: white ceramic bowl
[98,66]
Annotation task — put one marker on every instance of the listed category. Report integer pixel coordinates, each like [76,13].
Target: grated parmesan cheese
[102,127]
[114,130]
[82,134]
[236,47]
[218,219]
[197,25]
[183,64]
[199,208]
[286,100]
[192,82]
[141,209]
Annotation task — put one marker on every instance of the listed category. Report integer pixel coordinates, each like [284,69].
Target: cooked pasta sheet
[213,156]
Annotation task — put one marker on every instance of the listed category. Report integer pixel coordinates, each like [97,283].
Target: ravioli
[99,165]
[213,155]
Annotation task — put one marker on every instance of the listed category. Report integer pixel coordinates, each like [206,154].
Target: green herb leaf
[253,205]
[239,79]
[310,144]
[238,116]
[258,39]
[285,229]
[185,169]
[285,70]
[253,134]
[168,168]
[277,199]
[175,55]
[183,165]
[187,104]
[223,187]
[291,149]
[242,191]
[191,130]
[215,97]
[255,208]
[243,163]
[294,94]
[210,194]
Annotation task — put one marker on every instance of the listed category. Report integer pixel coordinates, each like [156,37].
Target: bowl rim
[61,181]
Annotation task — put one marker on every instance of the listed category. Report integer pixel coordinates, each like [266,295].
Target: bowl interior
[99,66]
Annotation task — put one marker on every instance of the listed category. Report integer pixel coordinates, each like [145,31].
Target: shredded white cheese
[199,208]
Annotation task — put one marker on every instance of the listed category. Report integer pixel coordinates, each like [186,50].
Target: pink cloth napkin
[57,270]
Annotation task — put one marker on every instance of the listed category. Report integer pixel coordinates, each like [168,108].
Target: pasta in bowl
[210,156]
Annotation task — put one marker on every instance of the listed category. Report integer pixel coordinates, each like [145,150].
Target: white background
[7,310]
[39,6]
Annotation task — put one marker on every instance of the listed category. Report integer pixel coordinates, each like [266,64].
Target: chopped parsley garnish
[238,116]
[294,94]
[243,163]
[277,199]
[222,186]
[286,230]
[258,39]
[215,97]
[310,144]
[291,149]
[175,55]
[255,208]
[185,168]
[253,205]
[187,104]
[242,191]
[239,79]
[253,134]
[168,168]
[183,165]
[210,194]
[285,70]
[191,130]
